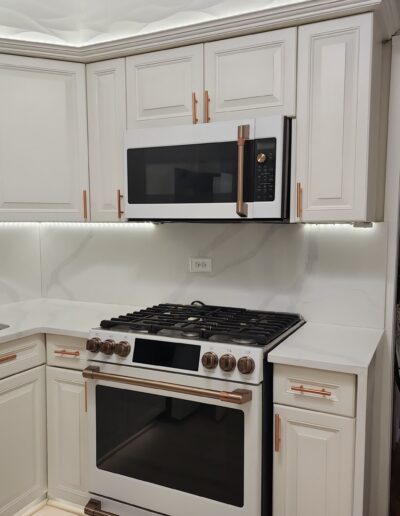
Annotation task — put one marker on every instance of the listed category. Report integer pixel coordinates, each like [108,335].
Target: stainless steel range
[180,411]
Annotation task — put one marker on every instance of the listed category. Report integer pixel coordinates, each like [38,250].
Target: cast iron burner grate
[199,321]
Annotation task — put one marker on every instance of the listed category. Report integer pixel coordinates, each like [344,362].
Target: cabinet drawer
[324,391]
[68,352]
[22,354]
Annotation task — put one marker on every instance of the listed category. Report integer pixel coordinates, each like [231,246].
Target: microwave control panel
[265,170]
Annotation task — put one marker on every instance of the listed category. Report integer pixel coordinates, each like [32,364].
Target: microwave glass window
[192,447]
[201,173]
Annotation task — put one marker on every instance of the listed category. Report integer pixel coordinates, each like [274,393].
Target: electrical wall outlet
[200,264]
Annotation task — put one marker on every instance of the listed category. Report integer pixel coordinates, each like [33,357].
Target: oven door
[189,445]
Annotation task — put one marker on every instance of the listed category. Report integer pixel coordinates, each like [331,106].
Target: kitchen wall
[19,262]
[333,274]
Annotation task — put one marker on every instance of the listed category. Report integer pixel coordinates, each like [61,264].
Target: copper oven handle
[93,508]
[7,358]
[194,108]
[238,396]
[303,390]
[243,135]
[66,352]
[119,198]
[206,107]
[277,433]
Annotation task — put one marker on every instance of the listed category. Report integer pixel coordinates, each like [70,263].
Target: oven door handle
[238,396]
[243,135]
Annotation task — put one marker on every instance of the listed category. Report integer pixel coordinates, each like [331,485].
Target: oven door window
[200,173]
[183,445]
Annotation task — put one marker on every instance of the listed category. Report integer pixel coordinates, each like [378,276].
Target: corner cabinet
[43,140]
[339,173]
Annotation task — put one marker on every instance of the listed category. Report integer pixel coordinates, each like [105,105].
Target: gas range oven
[180,411]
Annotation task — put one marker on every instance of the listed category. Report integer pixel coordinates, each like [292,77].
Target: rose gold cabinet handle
[119,199]
[243,135]
[238,396]
[299,200]
[7,358]
[194,109]
[93,508]
[86,397]
[206,107]
[85,205]
[303,390]
[277,433]
[63,352]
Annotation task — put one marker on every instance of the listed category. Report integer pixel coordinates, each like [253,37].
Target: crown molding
[268,19]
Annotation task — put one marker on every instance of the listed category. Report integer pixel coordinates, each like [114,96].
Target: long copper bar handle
[8,358]
[93,508]
[299,192]
[194,108]
[206,107]
[238,396]
[277,433]
[321,392]
[119,198]
[66,352]
[243,135]
[85,205]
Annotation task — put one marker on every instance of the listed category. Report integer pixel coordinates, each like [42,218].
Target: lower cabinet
[67,435]
[313,463]
[22,440]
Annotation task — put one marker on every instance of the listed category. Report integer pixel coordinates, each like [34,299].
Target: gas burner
[244,341]
[191,334]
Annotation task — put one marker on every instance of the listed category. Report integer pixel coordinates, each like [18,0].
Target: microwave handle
[243,135]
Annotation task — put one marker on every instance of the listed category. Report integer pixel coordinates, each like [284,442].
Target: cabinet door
[334,127]
[252,76]
[160,87]
[314,465]
[23,476]
[106,96]
[43,140]
[67,435]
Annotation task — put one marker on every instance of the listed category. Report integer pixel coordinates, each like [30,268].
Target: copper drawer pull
[93,508]
[299,192]
[238,396]
[194,109]
[277,433]
[206,107]
[243,135]
[303,390]
[119,199]
[7,358]
[68,353]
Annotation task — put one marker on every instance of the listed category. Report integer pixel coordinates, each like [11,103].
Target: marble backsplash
[20,276]
[329,273]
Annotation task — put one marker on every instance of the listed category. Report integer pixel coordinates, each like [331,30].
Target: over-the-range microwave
[234,170]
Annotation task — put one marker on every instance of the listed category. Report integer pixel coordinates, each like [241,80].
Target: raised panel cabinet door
[67,435]
[313,463]
[252,75]
[160,87]
[43,140]
[23,472]
[106,97]
[334,119]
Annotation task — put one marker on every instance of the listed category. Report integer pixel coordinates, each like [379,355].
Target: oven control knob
[122,349]
[209,360]
[93,345]
[227,363]
[107,347]
[261,157]
[246,365]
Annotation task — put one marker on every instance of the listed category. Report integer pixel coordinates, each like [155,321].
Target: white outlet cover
[200,264]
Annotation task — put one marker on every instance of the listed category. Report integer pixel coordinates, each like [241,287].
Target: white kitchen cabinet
[67,435]
[160,87]
[338,117]
[43,140]
[252,75]
[106,97]
[313,463]
[23,471]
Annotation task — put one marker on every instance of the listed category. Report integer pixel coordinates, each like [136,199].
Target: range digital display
[166,354]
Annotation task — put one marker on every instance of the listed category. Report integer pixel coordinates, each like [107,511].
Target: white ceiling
[82,22]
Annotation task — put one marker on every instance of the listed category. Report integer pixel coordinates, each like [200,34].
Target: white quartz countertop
[319,346]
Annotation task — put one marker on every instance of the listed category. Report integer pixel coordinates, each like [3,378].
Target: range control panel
[265,170]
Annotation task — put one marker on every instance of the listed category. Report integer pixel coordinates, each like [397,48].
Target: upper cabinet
[338,120]
[106,97]
[165,88]
[251,76]
[43,140]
